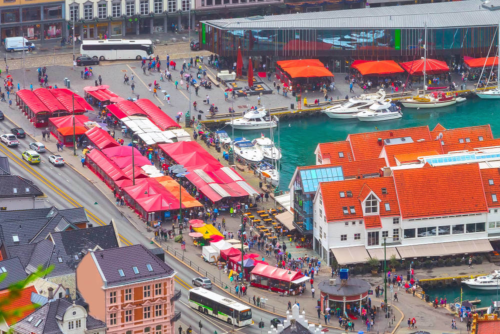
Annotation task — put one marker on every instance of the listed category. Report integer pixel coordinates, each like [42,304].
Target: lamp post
[180,171]
[133,162]
[242,250]
[74,124]
[73,34]
[385,275]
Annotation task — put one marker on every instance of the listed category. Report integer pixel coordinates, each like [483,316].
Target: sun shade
[378,67]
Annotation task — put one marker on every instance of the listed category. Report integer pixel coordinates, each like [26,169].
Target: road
[66,188]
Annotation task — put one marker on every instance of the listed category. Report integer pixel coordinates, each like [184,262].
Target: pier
[430,283]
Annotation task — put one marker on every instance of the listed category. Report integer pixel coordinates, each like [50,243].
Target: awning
[481,62]
[446,248]
[378,253]
[383,67]
[432,66]
[158,116]
[308,72]
[350,255]
[301,280]
[299,63]
[283,200]
[286,218]
[100,138]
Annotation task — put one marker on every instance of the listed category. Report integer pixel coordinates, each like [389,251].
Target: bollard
[69,84]
[65,81]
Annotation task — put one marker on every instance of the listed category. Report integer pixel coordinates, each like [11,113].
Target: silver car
[38,147]
[204,282]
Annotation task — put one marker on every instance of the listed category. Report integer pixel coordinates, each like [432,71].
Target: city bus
[218,306]
[116,49]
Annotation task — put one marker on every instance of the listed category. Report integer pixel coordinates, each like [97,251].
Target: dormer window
[384,191]
[349,193]
[342,194]
[341,154]
[371,204]
[480,138]
[346,212]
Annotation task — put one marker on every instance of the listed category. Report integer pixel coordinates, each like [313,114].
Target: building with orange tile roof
[409,152]
[487,324]
[334,152]
[461,135]
[471,146]
[22,303]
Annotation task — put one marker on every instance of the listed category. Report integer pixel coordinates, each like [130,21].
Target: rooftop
[337,152]
[471,146]
[406,152]
[462,135]
[21,303]
[14,270]
[354,287]
[17,186]
[4,166]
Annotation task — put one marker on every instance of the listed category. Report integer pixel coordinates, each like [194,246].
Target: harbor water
[452,293]
[299,137]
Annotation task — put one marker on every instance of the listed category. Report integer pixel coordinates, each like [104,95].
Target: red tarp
[65,96]
[68,130]
[480,62]
[100,138]
[299,63]
[152,196]
[357,62]
[156,115]
[276,273]
[139,173]
[67,121]
[121,151]
[308,72]
[117,112]
[130,108]
[227,253]
[139,161]
[101,93]
[382,67]
[32,101]
[107,166]
[432,66]
[182,147]
[297,44]
[49,100]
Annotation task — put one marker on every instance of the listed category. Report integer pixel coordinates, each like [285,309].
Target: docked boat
[254,120]
[488,282]
[223,137]
[269,150]
[430,100]
[349,109]
[494,93]
[247,150]
[269,172]
[380,111]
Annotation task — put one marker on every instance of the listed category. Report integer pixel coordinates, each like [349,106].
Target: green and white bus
[220,307]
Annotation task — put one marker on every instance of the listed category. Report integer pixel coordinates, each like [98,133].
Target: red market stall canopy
[139,161]
[227,253]
[53,105]
[65,96]
[128,170]
[481,62]
[30,99]
[52,100]
[122,157]
[383,67]
[69,130]
[130,108]
[100,138]
[117,112]
[299,63]
[67,121]
[432,66]
[156,115]
[276,273]
[100,93]
[105,165]
[121,151]
[308,72]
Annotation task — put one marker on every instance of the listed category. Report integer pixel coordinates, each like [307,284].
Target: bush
[440,263]
[478,259]
[374,263]
[458,261]
[428,264]
[449,262]
[417,264]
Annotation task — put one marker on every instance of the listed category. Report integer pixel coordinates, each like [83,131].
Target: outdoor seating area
[303,74]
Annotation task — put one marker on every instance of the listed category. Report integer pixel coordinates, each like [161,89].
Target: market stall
[37,112]
[377,68]
[104,168]
[481,62]
[55,107]
[159,117]
[276,279]
[432,66]
[101,94]
[63,128]
[303,74]
[100,139]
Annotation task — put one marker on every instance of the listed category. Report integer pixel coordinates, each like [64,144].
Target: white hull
[488,96]
[274,176]
[249,155]
[379,118]
[481,287]
[341,115]
[253,126]
[427,105]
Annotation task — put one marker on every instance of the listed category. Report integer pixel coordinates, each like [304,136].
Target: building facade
[130,289]
[115,19]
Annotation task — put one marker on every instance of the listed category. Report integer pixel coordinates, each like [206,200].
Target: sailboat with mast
[435,99]
[493,93]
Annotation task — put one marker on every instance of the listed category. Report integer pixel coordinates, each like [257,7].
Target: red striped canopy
[432,66]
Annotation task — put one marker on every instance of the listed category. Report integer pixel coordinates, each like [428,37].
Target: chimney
[51,293]
[391,134]
[380,143]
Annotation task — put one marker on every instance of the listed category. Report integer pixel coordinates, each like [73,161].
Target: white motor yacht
[349,109]
[269,172]
[254,120]
[266,145]
[223,137]
[488,282]
[380,111]
[247,150]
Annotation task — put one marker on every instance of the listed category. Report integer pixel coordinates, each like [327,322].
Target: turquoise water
[486,297]
[300,137]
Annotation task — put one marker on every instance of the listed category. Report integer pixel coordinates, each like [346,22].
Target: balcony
[177,295]
[177,316]
[301,227]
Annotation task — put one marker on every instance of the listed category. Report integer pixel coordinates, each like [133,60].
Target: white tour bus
[220,307]
[114,49]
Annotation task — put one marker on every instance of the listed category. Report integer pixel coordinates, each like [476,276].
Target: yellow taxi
[32,157]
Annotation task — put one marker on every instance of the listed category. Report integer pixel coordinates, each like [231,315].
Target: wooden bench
[268,220]
[264,215]
[215,82]
[262,211]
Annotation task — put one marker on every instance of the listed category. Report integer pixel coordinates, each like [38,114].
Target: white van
[209,254]
[16,44]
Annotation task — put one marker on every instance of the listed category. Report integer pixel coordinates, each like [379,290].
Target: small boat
[380,111]
[461,99]
[269,172]
[431,100]
[247,150]
[349,109]
[488,282]
[223,137]
[255,120]
[267,147]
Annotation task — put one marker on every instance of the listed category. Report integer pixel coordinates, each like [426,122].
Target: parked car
[38,147]
[195,45]
[9,140]
[31,156]
[19,132]
[204,282]
[56,160]
[2,116]
[86,60]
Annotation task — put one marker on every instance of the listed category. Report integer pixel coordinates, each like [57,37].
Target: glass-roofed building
[303,188]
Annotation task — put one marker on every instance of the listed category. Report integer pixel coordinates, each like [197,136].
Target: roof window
[353,210]
[494,197]
[120,271]
[15,237]
[38,322]
[30,318]
[349,193]
[344,208]
[150,268]
[59,259]
[4,270]
[14,190]
[342,194]
[27,189]
[461,140]
[76,257]
[387,207]
[341,154]
[467,140]
[491,182]
[136,271]
[384,191]
[480,138]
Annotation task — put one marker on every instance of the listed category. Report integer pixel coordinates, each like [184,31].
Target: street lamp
[179,171]
[133,164]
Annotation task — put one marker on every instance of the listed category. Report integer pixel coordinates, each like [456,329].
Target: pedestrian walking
[83,161]
[154,92]
[100,80]
[253,295]
[208,102]
[312,291]
[290,306]
[258,100]
[470,261]
[132,86]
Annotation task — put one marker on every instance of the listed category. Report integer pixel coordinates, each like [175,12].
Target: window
[15,238]
[491,225]
[147,291]
[172,5]
[373,239]
[341,154]
[357,236]
[344,208]
[343,237]
[461,140]
[480,138]
[346,223]
[112,319]
[130,8]
[52,12]
[158,310]
[112,297]
[88,12]
[320,213]
[342,194]
[117,9]
[73,13]
[157,289]
[395,220]
[349,193]
[491,182]
[71,324]
[78,323]
[102,10]
[144,7]
[352,209]
[384,191]
[136,271]
[158,329]
[475,227]
[409,233]
[320,232]
[128,315]
[371,204]
[444,230]
[147,330]
[147,312]
[128,294]
[120,271]
[395,234]
[458,229]
[185,5]
[385,234]
[494,197]
[353,223]
[387,207]
[467,140]
[158,6]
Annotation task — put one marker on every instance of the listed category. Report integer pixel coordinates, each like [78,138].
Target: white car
[9,139]
[38,147]
[56,160]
